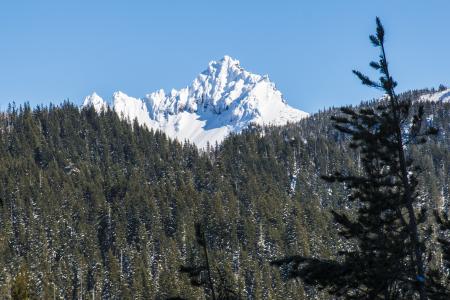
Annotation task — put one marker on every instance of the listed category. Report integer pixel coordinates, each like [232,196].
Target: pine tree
[216,287]
[385,259]
[438,277]
[20,287]
[201,275]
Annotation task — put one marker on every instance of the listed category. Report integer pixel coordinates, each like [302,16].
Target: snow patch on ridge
[440,96]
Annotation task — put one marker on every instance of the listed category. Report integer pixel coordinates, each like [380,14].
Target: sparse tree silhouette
[202,275]
[386,256]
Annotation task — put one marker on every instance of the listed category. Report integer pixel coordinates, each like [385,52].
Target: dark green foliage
[20,289]
[385,254]
[215,282]
[92,205]
[444,224]
[200,276]
[439,285]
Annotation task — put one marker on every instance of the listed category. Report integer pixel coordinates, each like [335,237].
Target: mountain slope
[223,99]
[441,95]
[88,201]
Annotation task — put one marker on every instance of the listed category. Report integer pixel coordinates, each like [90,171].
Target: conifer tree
[218,287]
[20,289]
[438,277]
[201,275]
[385,259]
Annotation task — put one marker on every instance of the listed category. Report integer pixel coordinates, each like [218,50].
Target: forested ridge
[95,207]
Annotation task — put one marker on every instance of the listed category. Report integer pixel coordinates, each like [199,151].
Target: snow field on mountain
[223,99]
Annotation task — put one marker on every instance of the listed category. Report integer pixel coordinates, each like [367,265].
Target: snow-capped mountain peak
[222,99]
[96,101]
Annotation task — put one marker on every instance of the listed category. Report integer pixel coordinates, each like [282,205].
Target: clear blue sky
[56,50]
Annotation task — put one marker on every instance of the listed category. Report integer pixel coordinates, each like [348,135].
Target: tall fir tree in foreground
[385,259]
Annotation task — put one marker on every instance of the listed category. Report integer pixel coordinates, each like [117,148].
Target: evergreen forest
[95,207]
